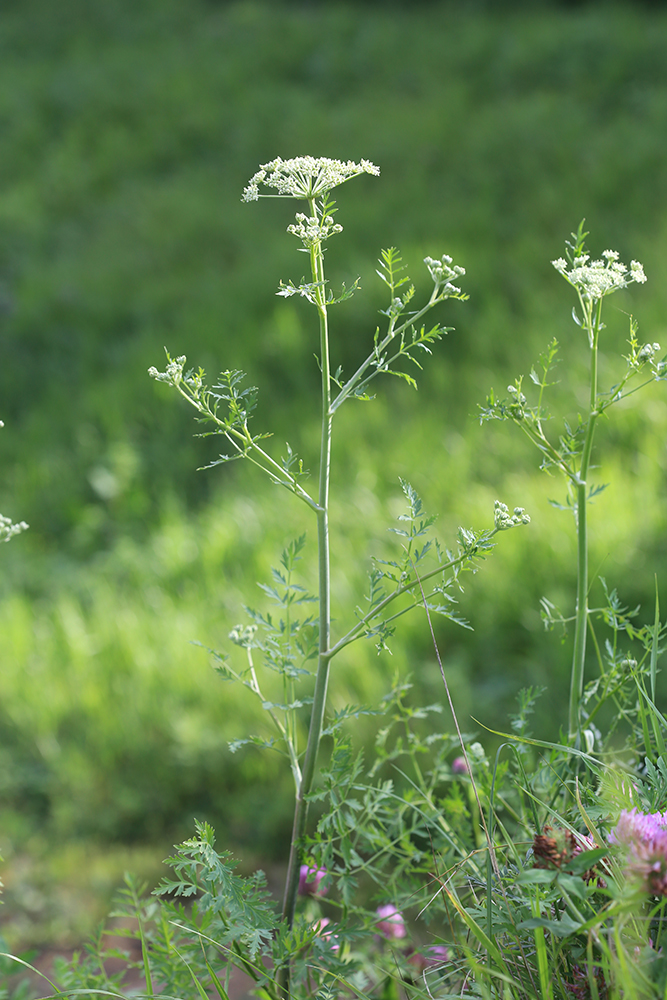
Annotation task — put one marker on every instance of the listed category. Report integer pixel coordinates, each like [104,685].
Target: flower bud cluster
[477,754]
[644,836]
[647,352]
[304,176]
[8,528]
[313,231]
[444,274]
[504,520]
[173,374]
[396,307]
[596,278]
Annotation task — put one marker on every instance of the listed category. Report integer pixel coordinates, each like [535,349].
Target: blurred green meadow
[128,133]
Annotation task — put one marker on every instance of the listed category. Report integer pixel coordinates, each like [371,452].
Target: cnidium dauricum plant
[592,281]
[9,528]
[289,640]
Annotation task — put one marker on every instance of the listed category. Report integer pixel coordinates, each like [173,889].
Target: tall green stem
[322,675]
[581,619]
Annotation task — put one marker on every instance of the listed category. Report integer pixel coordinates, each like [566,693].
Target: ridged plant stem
[322,675]
[593,327]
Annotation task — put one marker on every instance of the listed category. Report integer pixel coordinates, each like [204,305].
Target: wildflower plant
[8,528]
[435,869]
[288,645]
[592,281]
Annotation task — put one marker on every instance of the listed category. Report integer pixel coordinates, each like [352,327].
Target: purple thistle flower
[644,836]
[390,923]
[633,825]
[429,958]
[460,766]
[309,881]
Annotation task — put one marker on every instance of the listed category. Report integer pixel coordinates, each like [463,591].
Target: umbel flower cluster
[594,279]
[444,274]
[504,520]
[644,836]
[173,374]
[312,231]
[304,177]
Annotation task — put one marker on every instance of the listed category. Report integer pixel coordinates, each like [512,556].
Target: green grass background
[129,131]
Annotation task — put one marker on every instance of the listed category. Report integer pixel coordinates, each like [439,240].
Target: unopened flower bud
[460,766]
[309,881]
[429,958]
[320,927]
[390,923]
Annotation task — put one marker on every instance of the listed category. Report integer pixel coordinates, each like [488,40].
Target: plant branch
[357,630]
[392,332]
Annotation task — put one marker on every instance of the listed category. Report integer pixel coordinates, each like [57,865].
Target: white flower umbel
[305,177]
[594,279]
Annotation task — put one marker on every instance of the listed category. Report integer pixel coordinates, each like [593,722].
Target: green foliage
[557,910]
[247,915]
[410,338]
[566,455]
[407,573]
